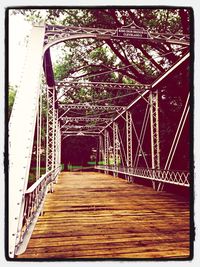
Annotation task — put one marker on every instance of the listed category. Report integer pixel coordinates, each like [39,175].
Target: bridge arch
[67,38]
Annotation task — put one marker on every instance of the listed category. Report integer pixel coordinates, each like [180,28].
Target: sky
[19,29]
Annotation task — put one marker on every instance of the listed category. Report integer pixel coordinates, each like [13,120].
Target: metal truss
[57,142]
[181,178]
[177,136]
[102,85]
[64,136]
[80,132]
[129,139]
[21,135]
[101,149]
[90,107]
[39,135]
[87,119]
[116,144]
[55,34]
[129,142]
[58,145]
[82,127]
[154,124]
[152,86]
[155,138]
[106,147]
[51,128]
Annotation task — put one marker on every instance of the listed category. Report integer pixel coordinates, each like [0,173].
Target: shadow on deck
[93,215]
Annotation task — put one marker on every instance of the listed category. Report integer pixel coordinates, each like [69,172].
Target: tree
[122,60]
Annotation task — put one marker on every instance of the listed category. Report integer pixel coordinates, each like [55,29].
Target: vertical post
[21,134]
[38,145]
[106,149]
[57,143]
[154,124]
[115,146]
[56,139]
[101,153]
[129,143]
[50,146]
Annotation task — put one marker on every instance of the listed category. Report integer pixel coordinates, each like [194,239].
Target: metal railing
[175,177]
[33,206]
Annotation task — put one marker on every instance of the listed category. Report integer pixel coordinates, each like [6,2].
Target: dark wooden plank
[92,215]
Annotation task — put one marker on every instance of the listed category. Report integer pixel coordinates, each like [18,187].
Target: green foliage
[11,98]
[128,61]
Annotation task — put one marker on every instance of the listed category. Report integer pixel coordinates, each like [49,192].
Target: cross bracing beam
[80,132]
[87,119]
[153,85]
[102,85]
[84,135]
[88,106]
[116,144]
[85,127]
[54,33]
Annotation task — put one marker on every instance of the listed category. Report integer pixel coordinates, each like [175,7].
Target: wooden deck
[92,215]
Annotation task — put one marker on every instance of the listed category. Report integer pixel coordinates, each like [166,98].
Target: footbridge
[109,212]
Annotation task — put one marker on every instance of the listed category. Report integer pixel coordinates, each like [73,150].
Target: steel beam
[90,107]
[154,124]
[87,119]
[116,144]
[101,85]
[106,147]
[153,85]
[54,33]
[79,132]
[82,127]
[101,149]
[51,126]
[129,142]
[21,134]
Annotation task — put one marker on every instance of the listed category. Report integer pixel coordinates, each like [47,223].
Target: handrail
[33,186]
[175,177]
[33,205]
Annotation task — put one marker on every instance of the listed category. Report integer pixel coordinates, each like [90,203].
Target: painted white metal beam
[21,133]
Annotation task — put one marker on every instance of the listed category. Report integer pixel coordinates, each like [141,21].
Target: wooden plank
[92,215]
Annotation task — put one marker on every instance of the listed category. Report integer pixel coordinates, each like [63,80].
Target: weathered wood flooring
[92,215]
